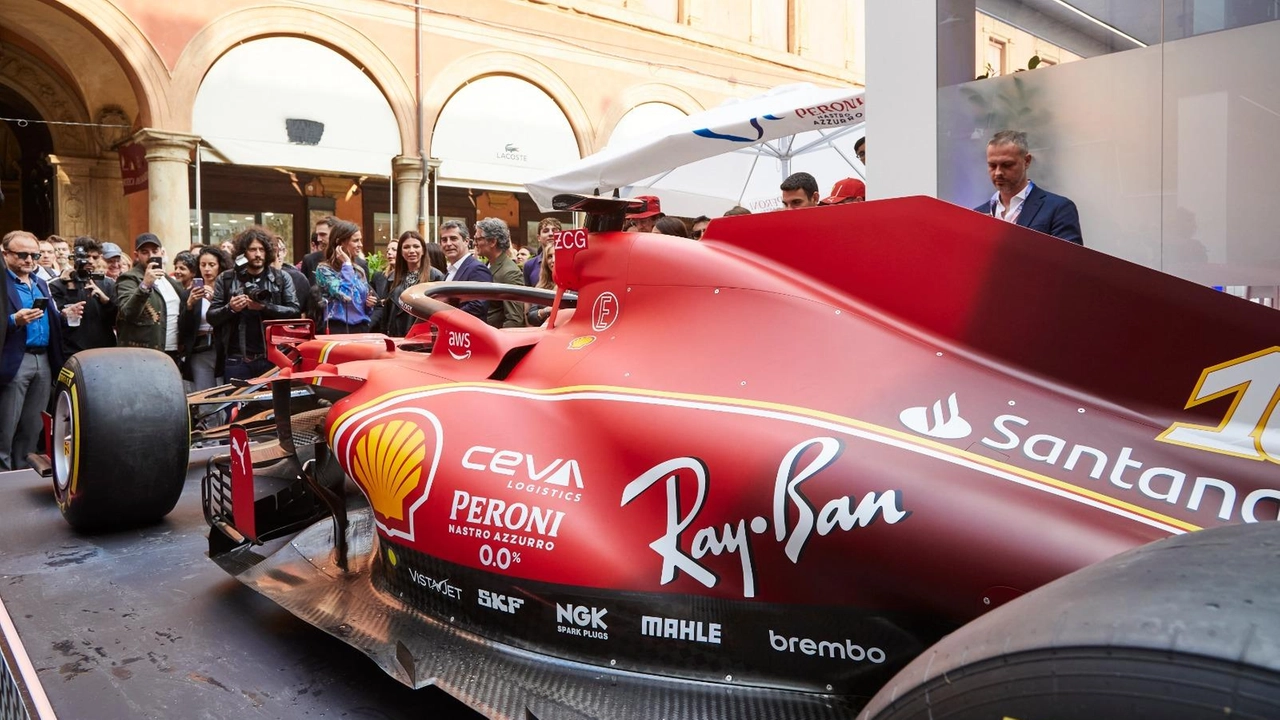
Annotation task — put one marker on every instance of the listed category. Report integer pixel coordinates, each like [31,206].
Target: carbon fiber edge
[496,680]
[18,701]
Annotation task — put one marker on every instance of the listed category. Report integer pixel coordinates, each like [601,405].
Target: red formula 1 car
[760,475]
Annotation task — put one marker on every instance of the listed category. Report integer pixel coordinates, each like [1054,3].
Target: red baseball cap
[654,207]
[846,189]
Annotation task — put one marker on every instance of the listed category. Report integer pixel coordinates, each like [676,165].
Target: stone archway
[68,188]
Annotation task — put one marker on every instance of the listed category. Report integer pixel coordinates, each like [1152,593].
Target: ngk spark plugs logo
[393,455]
[582,621]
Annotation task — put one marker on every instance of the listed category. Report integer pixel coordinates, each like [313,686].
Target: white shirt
[204,317]
[171,302]
[453,267]
[1011,213]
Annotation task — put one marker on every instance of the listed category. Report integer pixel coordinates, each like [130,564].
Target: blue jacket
[472,270]
[1047,213]
[15,341]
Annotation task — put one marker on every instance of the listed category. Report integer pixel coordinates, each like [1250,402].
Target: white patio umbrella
[734,154]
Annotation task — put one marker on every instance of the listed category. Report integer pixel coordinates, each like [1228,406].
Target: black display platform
[142,625]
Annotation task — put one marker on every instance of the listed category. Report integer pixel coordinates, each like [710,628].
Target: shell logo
[388,464]
[581,341]
[392,454]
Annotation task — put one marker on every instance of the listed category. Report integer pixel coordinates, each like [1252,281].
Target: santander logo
[937,423]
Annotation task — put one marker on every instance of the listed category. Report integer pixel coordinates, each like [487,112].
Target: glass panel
[383,230]
[225,226]
[1169,151]
[1062,31]
[1187,18]
[1094,129]
[1221,159]
[280,224]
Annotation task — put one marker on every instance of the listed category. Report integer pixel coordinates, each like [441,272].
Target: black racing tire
[1181,629]
[121,438]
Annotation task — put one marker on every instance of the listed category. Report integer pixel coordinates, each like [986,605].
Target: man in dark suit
[463,266]
[1017,199]
[31,354]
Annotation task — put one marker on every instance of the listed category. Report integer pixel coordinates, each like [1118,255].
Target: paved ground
[142,624]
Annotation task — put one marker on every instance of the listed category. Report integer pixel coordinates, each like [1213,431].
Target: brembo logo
[842,649]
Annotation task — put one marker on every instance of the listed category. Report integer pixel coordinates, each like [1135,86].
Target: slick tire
[1181,629]
[120,438]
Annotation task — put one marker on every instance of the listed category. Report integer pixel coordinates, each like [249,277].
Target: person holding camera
[81,283]
[149,301]
[246,295]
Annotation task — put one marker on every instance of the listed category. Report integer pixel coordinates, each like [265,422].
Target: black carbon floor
[141,625]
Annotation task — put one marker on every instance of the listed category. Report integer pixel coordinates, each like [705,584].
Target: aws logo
[392,455]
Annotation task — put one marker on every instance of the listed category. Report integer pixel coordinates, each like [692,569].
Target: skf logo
[459,345]
[605,312]
[501,603]
[392,454]
[582,616]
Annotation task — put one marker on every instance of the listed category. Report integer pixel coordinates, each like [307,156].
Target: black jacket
[97,327]
[282,304]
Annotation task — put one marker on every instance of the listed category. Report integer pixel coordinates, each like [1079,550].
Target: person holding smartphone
[32,348]
[206,355]
[149,301]
[81,284]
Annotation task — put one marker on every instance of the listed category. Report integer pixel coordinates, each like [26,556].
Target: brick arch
[217,38]
[637,95]
[497,62]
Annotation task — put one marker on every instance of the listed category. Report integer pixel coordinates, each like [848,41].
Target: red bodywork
[858,425]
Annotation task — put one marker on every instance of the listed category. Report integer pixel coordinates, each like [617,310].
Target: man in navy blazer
[1017,199]
[463,266]
[31,354]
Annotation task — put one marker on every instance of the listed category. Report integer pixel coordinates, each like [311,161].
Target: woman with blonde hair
[538,314]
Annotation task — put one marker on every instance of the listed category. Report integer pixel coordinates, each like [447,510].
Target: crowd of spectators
[205,309]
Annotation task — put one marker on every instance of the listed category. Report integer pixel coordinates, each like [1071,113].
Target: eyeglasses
[24,255]
[697,234]
[862,157]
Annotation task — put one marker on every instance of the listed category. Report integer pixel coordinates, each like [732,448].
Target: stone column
[91,198]
[913,47]
[408,179]
[168,193]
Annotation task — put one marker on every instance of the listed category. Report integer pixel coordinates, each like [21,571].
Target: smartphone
[197,282]
[40,304]
[155,262]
